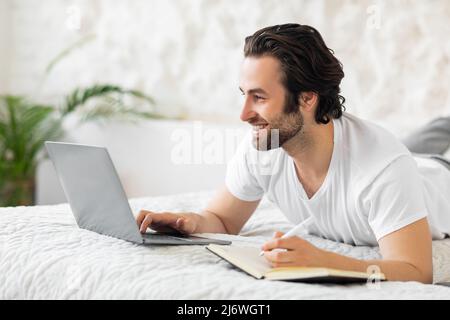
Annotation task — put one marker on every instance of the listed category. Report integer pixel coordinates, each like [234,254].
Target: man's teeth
[258,127]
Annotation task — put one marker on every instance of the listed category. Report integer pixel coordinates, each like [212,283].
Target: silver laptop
[97,199]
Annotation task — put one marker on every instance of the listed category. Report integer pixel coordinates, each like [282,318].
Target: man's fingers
[278,256]
[155,216]
[155,220]
[278,234]
[145,223]
[184,225]
[141,216]
[179,224]
[164,222]
[283,243]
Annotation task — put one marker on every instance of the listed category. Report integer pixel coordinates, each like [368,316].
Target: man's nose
[247,111]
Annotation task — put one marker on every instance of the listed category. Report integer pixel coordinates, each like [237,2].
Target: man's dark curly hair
[307,65]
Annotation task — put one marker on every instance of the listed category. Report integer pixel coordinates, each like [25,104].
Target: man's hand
[224,214]
[167,222]
[407,254]
[295,252]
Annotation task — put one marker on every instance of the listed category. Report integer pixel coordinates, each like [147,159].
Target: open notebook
[248,260]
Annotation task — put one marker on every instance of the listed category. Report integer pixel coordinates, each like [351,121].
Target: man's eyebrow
[255,90]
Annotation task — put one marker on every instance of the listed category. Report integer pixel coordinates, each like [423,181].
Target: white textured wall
[187,52]
[5,42]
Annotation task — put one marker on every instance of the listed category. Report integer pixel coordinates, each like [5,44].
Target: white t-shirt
[373,187]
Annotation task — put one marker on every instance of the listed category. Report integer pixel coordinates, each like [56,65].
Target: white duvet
[44,255]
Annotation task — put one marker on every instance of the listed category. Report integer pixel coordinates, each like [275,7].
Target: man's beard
[278,131]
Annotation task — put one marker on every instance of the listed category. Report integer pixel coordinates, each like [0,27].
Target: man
[350,179]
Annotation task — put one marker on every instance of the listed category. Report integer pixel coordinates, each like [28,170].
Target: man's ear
[308,100]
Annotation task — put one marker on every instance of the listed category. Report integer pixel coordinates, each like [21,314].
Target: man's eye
[258,97]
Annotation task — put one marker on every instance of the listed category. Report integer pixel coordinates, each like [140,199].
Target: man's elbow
[418,277]
[407,271]
[424,274]
[232,230]
[426,278]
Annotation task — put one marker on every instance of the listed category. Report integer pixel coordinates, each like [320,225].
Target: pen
[297,230]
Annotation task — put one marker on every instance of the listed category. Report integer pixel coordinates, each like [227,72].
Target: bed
[44,255]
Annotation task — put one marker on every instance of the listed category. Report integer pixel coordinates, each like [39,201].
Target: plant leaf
[67,51]
[111,106]
[24,128]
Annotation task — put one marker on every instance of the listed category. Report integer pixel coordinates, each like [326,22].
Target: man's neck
[312,150]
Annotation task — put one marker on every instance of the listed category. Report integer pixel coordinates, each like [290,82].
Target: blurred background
[185,55]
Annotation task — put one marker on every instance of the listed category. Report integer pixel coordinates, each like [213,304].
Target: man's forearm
[208,222]
[393,270]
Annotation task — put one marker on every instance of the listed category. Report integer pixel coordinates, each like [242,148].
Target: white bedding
[44,255]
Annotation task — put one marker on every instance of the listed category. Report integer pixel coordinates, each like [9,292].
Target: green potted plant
[25,126]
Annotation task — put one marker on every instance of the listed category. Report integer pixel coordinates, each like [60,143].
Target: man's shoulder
[369,148]
[362,132]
